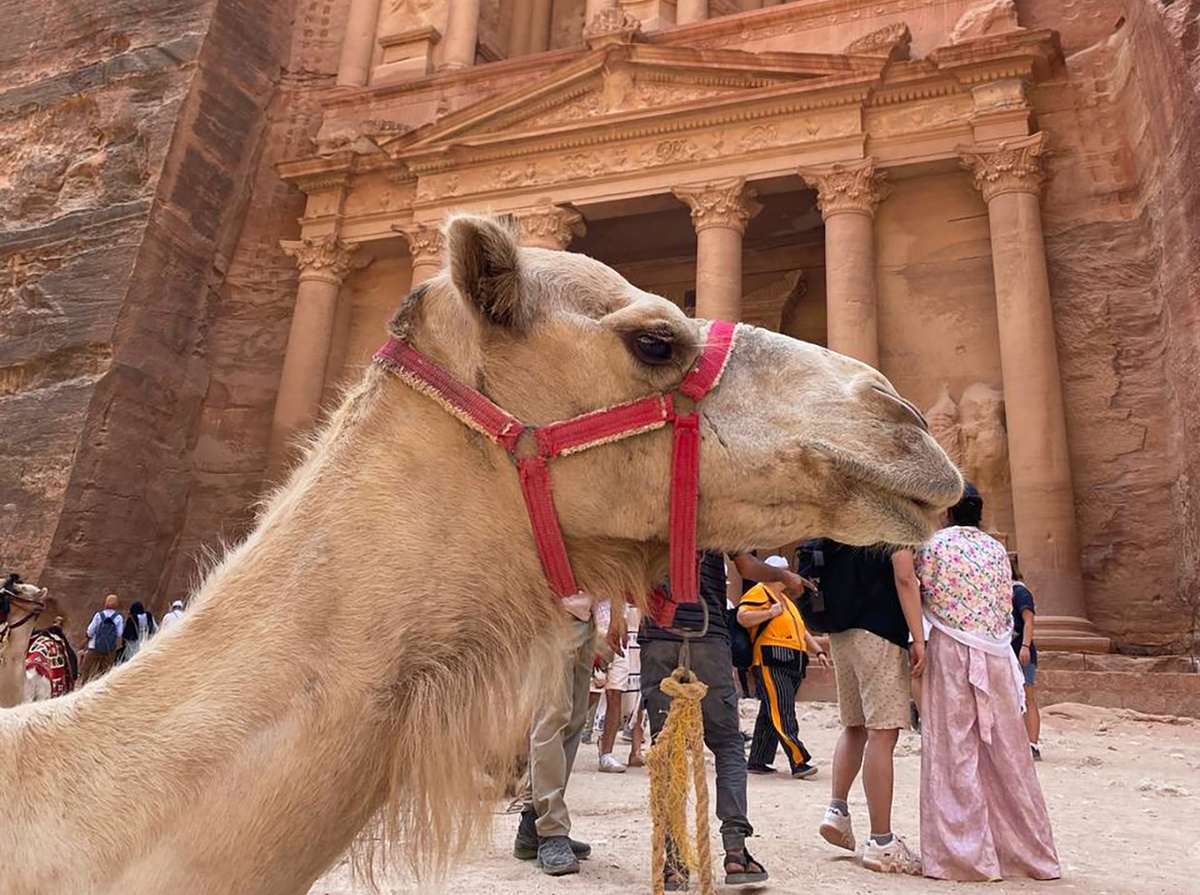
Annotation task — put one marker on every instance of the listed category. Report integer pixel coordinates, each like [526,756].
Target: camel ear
[485,268]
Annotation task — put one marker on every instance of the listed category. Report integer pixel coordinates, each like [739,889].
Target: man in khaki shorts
[872,663]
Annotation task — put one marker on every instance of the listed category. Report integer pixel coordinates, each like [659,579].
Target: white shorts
[625,672]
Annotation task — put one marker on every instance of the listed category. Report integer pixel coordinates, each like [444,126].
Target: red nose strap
[475,410]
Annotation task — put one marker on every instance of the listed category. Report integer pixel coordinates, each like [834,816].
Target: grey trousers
[557,728]
[712,663]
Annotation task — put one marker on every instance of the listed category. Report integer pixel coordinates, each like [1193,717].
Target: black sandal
[751,871]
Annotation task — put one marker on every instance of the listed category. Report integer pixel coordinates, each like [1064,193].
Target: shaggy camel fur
[393,601]
[15,642]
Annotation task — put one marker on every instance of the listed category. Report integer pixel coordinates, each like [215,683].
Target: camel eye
[653,349]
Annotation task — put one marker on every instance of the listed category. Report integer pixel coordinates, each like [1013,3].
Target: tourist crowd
[112,638]
[940,638]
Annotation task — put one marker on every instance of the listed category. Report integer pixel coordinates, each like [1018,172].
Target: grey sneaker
[556,857]
[525,848]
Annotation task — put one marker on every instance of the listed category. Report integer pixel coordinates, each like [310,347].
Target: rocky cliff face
[1124,250]
[128,135]
[144,303]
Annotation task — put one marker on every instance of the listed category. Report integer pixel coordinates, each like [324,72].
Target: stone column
[550,226]
[518,34]
[462,35]
[720,212]
[847,195]
[354,67]
[687,11]
[324,263]
[539,26]
[1009,175]
[425,246]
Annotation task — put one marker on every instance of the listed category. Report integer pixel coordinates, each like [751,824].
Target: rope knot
[677,688]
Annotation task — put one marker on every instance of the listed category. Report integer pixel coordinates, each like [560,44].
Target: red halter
[583,432]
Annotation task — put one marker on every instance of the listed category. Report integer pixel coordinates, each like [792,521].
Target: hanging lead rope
[675,762]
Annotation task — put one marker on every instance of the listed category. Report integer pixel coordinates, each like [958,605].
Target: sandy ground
[1123,792]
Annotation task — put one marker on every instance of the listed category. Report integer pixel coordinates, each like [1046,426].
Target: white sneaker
[836,829]
[610,765]
[895,857]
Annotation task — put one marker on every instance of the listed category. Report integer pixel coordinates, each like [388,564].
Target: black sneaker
[525,848]
[804,772]
[759,769]
[1037,753]
[556,857]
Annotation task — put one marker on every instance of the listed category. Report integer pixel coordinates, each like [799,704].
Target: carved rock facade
[121,208]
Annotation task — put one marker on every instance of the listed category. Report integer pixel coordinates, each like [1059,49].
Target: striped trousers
[776,723]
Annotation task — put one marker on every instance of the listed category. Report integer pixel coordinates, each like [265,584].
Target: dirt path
[1123,792]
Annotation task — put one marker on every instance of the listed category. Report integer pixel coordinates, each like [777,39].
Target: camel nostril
[908,410]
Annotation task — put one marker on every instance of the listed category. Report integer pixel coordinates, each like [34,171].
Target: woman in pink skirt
[982,812]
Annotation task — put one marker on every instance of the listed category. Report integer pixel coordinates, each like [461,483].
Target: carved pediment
[632,80]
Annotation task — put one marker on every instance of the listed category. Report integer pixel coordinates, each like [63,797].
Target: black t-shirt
[875,590]
[689,616]
[1022,599]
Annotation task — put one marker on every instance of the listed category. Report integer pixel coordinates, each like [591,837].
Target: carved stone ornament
[610,26]
[324,258]
[550,226]
[987,17]
[722,203]
[424,242]
[1009,166]
[890,42]
[850,187]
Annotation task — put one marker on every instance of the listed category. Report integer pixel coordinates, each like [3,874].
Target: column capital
[325,258]
[847,187]
[424,241]
[549,226]
[721,203]
[1007,166]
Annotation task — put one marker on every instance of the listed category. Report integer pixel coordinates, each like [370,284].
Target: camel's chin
[879,516]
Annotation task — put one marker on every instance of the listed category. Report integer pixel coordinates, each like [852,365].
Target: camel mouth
[910,504]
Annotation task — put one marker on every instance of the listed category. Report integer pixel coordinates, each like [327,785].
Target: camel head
[19,599]
[797,441]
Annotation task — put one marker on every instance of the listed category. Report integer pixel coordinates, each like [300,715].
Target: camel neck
[239,720]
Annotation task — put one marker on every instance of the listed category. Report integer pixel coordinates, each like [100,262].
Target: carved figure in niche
[944,425]
[405,15]
[984,437]
[974,435]
[989,17]
[617,89]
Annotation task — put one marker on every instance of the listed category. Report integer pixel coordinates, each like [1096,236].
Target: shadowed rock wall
[1122,220]
[128,135]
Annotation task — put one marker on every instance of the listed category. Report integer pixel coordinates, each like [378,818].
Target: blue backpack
[106,634]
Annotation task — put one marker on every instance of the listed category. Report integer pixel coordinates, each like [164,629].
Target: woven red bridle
[583,432]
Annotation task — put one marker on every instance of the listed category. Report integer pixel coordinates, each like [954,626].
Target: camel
[20,605]
[394,601]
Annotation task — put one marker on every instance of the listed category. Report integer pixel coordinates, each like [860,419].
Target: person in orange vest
[781,645]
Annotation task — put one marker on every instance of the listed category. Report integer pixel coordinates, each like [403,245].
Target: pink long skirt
[982,812]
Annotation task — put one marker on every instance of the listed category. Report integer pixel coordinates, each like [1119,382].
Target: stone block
[407,55]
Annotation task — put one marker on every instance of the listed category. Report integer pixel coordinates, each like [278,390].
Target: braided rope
[679,744]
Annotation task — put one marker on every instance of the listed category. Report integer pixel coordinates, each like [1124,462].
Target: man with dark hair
[880,606]
[712,663]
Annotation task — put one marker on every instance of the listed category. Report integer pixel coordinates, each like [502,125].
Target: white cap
[776,562]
